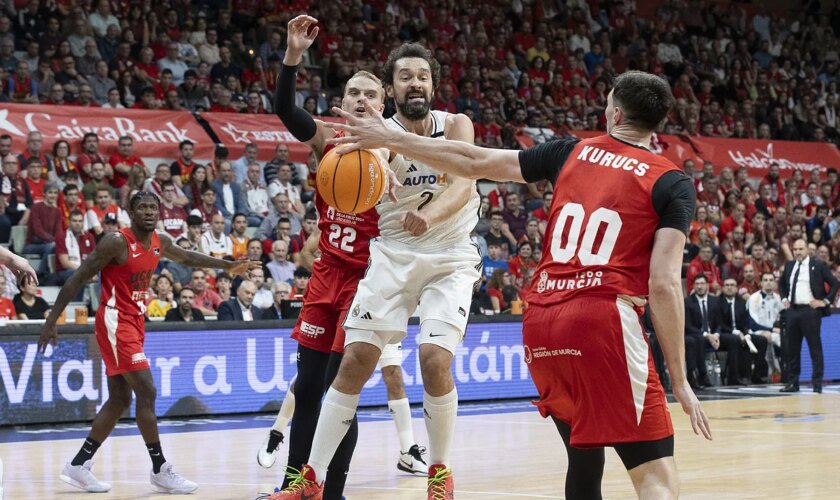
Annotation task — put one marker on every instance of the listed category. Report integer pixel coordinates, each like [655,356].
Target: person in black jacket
[184,311]
[702,328]
[735,320]
[241,308]
[281,292]
[804,296]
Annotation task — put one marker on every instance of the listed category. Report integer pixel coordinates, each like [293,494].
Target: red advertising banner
[156,134]
[235,130]
[757,155]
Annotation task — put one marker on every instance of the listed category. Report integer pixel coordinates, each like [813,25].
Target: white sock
[401,411]
[440,415]
[337,413]
[287,409]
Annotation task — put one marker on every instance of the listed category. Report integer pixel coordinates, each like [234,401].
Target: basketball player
[608,248]
[424,255]
[127,259]
[344,256]
[20,267]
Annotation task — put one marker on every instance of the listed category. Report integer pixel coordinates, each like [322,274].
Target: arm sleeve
[545,160]
[674,199]
[297,120]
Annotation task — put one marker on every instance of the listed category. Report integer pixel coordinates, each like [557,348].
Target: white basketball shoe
[169,481]
[81,477]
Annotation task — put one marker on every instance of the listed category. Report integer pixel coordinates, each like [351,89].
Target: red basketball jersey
[601,223]
[345,237]
[125,286]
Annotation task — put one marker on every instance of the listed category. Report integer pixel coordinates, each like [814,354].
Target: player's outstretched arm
[668,315]
[17,264]
[455,157]
[301,34]
[196,259]
[111,246]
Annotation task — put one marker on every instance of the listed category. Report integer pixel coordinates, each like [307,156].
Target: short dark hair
[302,272]
[766,273]
[190,73]
[494,212]
[410,50]
[194,220]
[310,215]
[185,143]
[88,135]
[139,196]
[238,214]
[76,212]
[185,289]
[69,187]
[700,277]
[644,98]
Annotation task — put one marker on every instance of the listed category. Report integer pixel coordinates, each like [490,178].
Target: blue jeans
[44,250]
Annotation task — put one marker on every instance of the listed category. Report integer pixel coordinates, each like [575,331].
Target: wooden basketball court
[765,447]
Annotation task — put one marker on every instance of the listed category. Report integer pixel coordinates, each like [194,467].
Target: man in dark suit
[184,311]
[241,308]
[735,321]
[703,327]
[281,292]
[804,296]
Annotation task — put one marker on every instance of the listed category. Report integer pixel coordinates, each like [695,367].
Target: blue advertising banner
[210,372]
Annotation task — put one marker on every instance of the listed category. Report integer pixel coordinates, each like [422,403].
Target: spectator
[281,157]
[96,182]
[89,155]
[27,303]
[263,298]
[765,307]
[61,162]
[102,18]
[493,260]
[240,166]
[280,292]
[734,268]
[301,280]
[703,264]
[701,328]
[69,200]
[734,324]
[256,196]
[35,149]
[181,274]
[44,226]
[195,228]
[207,209]
[34,179]
[68,254]
[499,279]
[514,216]
[95,216]
[181,169]
[229,198]
[164,298]
[283,185]
[185,310]
[16,197]
[192,96]
[523,265]
[206,300]
[86,65]
[280,268]
[499,233]
[224,284]
[7,307]
[173,219]
[241,308]
[281,209]
[173,63]
[137,178]
[214,242]
[162,178]
[237,237]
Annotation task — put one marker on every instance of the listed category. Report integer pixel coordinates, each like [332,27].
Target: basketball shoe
[267,454]
[303,486]
[441,484]
[169,481]
[81,477]
[412,462]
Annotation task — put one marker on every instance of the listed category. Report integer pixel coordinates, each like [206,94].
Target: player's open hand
[300,37]
[361,132]
[242,268]
[49,335]
[691,406]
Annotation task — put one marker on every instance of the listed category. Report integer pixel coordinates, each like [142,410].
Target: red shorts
[325,303]
[592,365]
[120,338]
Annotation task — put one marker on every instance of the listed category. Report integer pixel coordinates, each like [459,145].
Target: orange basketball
[351,183]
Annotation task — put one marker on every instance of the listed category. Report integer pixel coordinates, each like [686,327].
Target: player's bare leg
[78,472]
[440,408]
[657,479]
[337,413]
[411,454]
[162,477]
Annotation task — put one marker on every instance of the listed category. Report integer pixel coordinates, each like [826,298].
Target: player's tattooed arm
[196,259]
[110,249]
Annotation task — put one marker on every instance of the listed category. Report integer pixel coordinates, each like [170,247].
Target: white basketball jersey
[421,185]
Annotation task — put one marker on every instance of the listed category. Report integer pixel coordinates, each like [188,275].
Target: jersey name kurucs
[421,185]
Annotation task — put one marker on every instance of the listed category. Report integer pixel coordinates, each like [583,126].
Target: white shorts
[391,355]
[400,279]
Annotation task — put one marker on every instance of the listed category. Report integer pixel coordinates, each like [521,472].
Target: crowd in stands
[539,68]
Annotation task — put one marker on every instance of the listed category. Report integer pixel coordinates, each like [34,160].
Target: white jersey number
[573,214]
[347,236]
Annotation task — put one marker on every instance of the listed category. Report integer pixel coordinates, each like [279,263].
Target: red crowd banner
[235,130]
[757,155]
[156,134]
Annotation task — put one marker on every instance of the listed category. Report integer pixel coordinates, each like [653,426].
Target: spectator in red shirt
[123,161]
[255,104]
[90,153]
[703,264]
[86,97]
[147,100]
[68,200]
[164,85]
[223,105]
[34,180]
[541,214]
[737,219]
[35,149]
[487,131]
[206,300]
[44,225]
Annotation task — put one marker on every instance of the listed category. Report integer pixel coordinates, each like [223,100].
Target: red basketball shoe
[441,484]
[303,486]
